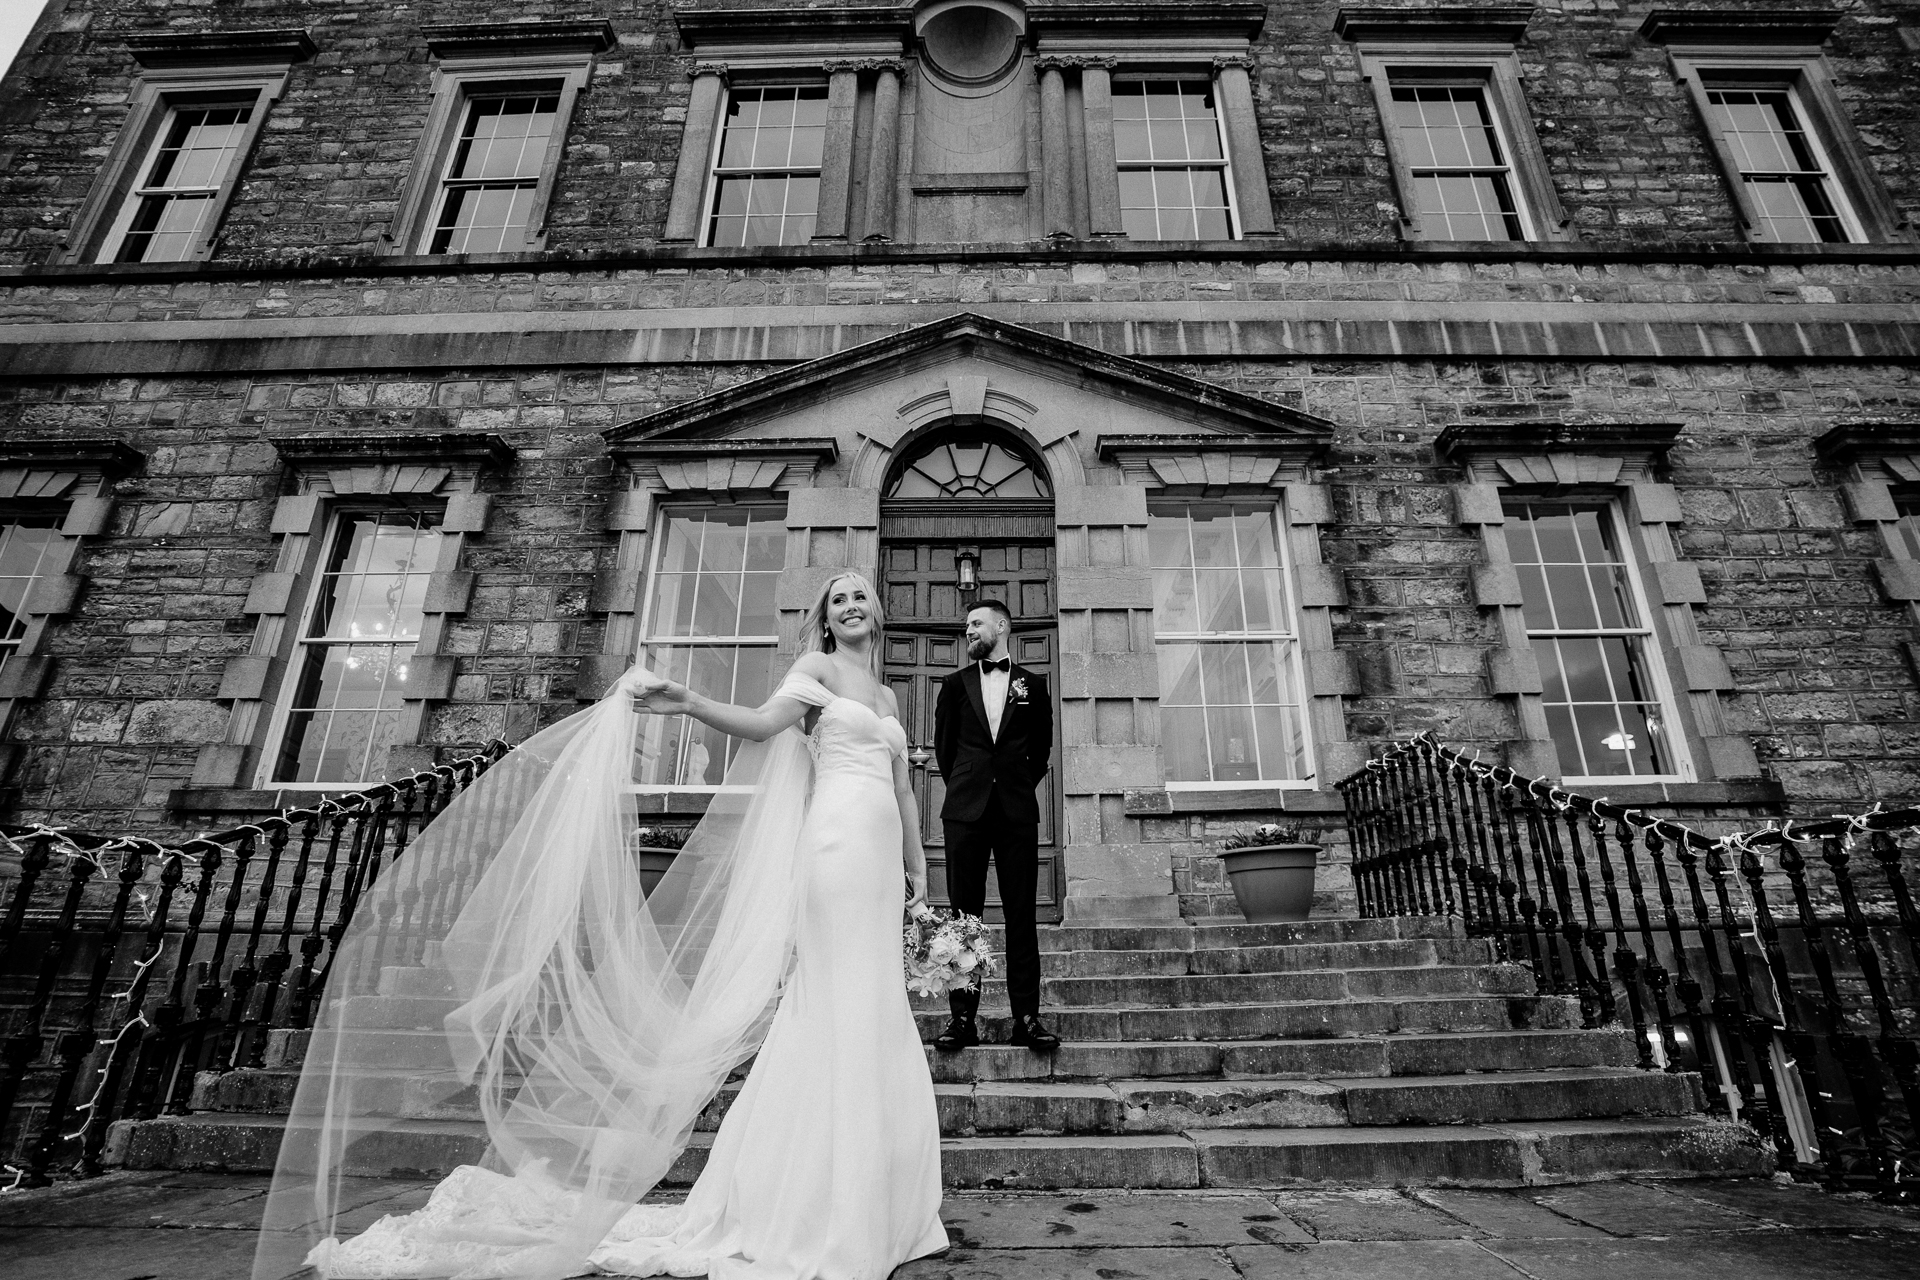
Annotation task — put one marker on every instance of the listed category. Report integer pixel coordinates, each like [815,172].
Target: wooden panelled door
[926,619]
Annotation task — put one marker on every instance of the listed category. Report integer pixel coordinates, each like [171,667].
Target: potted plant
[1271,870]
[657,847]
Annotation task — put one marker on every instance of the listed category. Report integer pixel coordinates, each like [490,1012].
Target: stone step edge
[1533,1153]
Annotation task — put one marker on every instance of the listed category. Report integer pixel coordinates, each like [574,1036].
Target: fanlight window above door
[969,469]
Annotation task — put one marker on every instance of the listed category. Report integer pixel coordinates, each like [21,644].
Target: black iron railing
[1783,964]
[130,965]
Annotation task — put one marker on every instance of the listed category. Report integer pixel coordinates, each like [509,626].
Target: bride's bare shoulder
[815,666]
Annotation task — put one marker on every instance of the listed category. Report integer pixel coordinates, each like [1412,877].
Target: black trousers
[1014,848]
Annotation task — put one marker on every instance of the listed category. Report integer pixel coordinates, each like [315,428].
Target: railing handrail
[329,806]
[1681,936]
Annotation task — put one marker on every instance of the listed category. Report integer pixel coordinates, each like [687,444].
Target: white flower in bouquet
[946,951]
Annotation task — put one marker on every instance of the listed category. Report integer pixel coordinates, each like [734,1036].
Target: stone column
[1235,95]
[1056,197]
[696,151]
[883,151]
[836,166]
[1103,165]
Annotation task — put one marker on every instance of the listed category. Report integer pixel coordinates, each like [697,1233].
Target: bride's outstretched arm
[757,724]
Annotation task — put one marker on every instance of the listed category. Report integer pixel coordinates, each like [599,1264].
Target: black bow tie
[1005,664]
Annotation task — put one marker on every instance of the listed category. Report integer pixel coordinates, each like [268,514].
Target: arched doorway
[967,492]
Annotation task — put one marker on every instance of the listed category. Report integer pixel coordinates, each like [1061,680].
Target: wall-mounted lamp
[968,561]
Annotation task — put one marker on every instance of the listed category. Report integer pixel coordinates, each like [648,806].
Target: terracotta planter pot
[653,864]
[1274,882]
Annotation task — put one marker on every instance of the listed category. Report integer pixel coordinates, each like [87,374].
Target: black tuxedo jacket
[972,760]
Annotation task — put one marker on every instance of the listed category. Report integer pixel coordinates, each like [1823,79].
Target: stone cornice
[1129,19]
[1470,442]
[319,450]
[1307,443]
[822,450]
[112,458]
[510,39]
[1739,26]
[212,48]
[970,332]
[1496,23]
[1868,440]
[799,24]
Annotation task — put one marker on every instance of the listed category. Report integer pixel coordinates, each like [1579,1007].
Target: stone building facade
[378,383]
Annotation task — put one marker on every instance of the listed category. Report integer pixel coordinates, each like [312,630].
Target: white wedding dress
[827,1165]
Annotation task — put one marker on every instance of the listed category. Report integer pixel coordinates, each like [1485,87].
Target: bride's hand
[664,698]
[917,908]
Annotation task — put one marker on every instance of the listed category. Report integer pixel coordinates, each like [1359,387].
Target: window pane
[782,133]
[24,545]
[1183,744]
[1908,528]
[1598,693]
[505,138]
[165,228]
[679,751]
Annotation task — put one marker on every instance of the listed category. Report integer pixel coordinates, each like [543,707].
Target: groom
[992,735]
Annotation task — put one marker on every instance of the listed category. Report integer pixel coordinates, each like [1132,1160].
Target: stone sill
[1695,795]
[1159,802]
[1258,249]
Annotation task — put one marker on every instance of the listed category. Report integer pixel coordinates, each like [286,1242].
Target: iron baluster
[1758,1031]
[1652,972]
[1684,982]
[1585,986]
[1529,908]
[1626,965]
[39,851]
[1555,977]
[300,1011]
[1726,1008]
[273,970]
[1799,1041]
[1592,936]
[1886,851]
[75,1046]
[240,1029]
[1851,1050]
[1901,1055]
[23,1046]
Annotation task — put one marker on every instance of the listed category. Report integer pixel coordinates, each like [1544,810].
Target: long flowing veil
[510,961]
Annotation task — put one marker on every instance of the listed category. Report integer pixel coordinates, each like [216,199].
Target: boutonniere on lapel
[1017,689]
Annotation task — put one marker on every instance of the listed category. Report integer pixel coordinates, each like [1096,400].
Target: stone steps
[1392,1052]
[1119,1105]
[1486,1155]
[1160,991]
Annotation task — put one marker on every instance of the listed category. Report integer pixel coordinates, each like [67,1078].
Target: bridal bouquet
[947,951]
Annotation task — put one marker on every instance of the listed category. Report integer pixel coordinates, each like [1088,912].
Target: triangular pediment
[1187,405]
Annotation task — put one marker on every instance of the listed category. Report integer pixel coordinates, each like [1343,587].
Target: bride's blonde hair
[816,636]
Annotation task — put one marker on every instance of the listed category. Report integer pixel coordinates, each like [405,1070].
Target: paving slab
[1073,1264]
[59,1253]
[135,1200]
[1632,1209]
[1794,1204]
[1374,1260]
[1748,1255]
[1505,1213]
[1368,1215]
[1053,1222]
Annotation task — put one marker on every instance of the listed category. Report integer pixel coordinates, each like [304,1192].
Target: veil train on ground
[588,1021]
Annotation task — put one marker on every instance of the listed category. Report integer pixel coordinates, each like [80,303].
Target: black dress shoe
[1028,1031]
[961,1033]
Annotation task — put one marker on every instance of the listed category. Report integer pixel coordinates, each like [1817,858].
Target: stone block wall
[1822,679]
[1628,155]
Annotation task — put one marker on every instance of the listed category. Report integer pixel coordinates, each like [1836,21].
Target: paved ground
[170,1226]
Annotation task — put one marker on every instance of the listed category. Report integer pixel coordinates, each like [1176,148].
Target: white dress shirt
[993,692]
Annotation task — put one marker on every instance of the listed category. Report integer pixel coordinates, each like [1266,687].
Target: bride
[592,1021]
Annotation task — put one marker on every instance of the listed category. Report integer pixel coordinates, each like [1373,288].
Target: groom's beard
[980,650]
